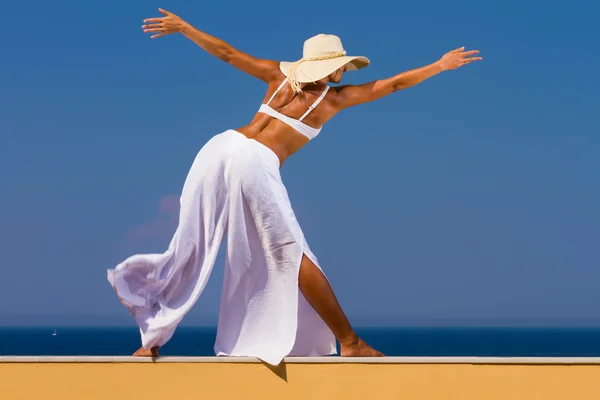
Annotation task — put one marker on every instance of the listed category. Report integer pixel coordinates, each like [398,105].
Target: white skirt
[233,188]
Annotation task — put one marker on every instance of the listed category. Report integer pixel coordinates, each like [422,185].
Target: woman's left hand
[170,23]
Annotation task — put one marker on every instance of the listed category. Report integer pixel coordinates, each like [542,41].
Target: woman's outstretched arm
[351,95]
[265,70]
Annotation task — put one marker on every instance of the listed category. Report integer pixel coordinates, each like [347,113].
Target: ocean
[190,341]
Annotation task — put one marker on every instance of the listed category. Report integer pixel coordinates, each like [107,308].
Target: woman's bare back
[281,138]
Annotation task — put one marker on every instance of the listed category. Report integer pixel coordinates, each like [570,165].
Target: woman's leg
[318,292]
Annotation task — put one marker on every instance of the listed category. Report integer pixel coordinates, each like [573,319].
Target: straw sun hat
[322,55]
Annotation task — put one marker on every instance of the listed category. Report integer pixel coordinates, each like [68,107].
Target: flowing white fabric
[233,188]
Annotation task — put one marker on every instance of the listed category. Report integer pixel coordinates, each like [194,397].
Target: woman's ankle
[350,339]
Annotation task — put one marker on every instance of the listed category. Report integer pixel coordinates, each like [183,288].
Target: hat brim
[312,71]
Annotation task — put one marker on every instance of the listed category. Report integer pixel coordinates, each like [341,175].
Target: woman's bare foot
[359,349]
[142,352]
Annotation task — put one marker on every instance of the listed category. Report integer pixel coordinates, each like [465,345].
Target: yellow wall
[179,381]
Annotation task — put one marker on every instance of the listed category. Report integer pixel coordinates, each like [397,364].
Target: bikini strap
[315,104]
[278,89]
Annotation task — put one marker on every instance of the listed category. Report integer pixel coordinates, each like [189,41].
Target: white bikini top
[296,124]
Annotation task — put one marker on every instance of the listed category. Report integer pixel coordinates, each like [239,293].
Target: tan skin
[284,141]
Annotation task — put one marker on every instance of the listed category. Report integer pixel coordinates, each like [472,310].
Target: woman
[276,301]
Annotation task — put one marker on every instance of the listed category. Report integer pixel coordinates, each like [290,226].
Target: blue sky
[472,198]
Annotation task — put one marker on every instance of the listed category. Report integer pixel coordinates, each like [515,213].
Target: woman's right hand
[457,58]
[170,23]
